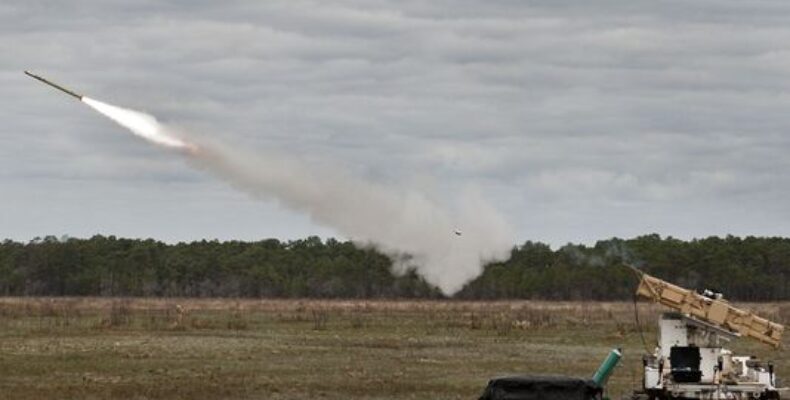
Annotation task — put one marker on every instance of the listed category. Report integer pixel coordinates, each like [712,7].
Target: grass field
[291,349]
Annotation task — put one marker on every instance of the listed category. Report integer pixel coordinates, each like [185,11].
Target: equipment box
[541,388]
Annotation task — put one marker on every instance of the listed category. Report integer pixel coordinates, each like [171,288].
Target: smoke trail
[395,219]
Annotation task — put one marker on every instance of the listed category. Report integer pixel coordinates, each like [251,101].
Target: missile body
[54,85]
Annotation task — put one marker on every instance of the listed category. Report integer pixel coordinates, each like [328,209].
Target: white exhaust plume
[141,124]
[394,219]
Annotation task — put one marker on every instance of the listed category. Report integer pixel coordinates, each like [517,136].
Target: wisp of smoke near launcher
[394,219]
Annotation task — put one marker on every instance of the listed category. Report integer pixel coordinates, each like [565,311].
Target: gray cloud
[578,120]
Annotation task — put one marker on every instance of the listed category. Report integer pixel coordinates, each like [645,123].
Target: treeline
[110,266]
[746,269]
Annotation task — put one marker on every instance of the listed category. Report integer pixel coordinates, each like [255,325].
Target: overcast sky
[578,120]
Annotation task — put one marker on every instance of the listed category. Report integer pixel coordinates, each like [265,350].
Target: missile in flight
[54,85]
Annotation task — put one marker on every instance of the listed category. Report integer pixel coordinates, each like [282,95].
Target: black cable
[639,325]
[636,309]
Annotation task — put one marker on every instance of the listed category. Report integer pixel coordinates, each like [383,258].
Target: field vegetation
[145,348]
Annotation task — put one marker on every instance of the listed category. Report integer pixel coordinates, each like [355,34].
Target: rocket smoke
[396,220]
[141,124]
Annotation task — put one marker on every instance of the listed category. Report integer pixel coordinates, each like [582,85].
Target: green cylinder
[607,367]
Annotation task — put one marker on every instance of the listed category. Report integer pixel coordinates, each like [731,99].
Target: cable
[639,325]
[636,309]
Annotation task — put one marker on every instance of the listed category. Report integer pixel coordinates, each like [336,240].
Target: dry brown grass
[292,349]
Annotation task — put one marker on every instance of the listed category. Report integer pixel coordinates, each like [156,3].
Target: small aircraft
[458,232]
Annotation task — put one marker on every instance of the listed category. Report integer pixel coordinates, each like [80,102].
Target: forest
[744,269]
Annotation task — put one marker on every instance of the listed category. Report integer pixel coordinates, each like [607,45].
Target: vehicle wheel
[770,395]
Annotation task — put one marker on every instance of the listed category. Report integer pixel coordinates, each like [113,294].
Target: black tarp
[541,388]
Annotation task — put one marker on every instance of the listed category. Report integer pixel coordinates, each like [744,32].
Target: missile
[54,85]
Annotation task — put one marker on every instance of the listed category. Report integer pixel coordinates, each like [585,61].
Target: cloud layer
[578,121]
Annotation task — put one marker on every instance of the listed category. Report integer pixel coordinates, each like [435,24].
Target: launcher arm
[716,312]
